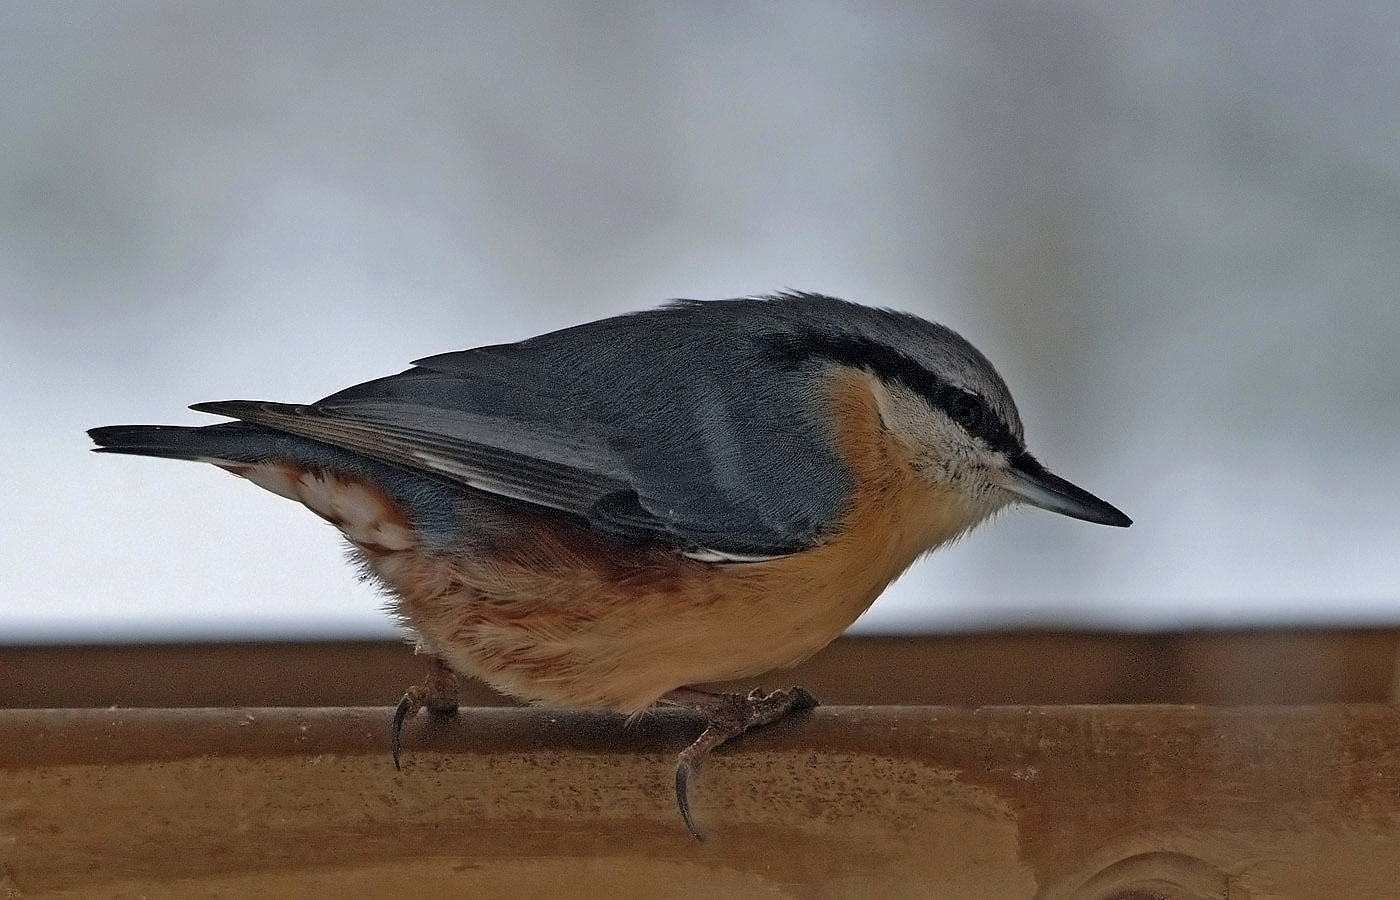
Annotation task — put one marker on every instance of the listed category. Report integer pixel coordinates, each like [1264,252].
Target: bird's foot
[437,694]
[727,716]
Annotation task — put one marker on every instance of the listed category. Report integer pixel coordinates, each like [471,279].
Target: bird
[616,513]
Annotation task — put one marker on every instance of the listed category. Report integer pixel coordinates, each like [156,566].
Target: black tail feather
[240,442]
[168,441]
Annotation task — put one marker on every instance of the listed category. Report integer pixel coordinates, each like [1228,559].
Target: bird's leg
[437,693]
[726,716]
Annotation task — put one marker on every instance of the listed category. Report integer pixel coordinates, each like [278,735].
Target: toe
[408,705]
[685,771]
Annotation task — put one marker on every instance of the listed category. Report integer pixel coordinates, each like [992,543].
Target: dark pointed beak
[1030,481]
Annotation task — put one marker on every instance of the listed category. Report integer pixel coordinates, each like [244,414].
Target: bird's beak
[1029,480]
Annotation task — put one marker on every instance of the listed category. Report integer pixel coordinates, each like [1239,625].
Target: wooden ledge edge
[996,803]
[30,738]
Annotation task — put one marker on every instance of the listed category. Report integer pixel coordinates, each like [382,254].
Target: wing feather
[497,470]
[673,426]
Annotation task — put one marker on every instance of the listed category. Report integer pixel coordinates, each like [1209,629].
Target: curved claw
[401,712]
[727,716]
[438,693]
[684,772]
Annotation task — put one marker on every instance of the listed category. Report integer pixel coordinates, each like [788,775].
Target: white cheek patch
[909,418]
[367,516]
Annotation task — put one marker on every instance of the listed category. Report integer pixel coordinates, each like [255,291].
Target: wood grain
[1062,803]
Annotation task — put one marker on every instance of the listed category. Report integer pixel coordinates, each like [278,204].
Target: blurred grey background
[1174,227]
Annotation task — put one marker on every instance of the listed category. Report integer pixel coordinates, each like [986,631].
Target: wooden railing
[1237,667]
[1053,803]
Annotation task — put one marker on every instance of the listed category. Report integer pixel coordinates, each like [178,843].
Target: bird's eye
[969,411]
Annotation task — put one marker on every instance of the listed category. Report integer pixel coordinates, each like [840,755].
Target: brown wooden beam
[1078,803]
[1276,666]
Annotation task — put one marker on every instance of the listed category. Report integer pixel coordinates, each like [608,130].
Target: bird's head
[948,405]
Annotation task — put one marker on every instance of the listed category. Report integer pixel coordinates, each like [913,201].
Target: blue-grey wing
[654,428]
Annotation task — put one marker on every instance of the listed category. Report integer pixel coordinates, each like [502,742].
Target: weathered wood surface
[1053,803]
[1355,665]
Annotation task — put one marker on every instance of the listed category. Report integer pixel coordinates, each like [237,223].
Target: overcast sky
[1175,228]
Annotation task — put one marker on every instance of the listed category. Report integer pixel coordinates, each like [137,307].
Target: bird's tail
[358,493]
[227,442]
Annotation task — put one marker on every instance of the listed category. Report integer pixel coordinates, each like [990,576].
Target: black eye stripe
[793,350]
[969,411]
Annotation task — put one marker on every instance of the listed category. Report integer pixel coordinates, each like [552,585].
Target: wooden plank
[1236,667]
[1059,803]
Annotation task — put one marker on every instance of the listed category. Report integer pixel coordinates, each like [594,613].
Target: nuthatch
[606,515]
